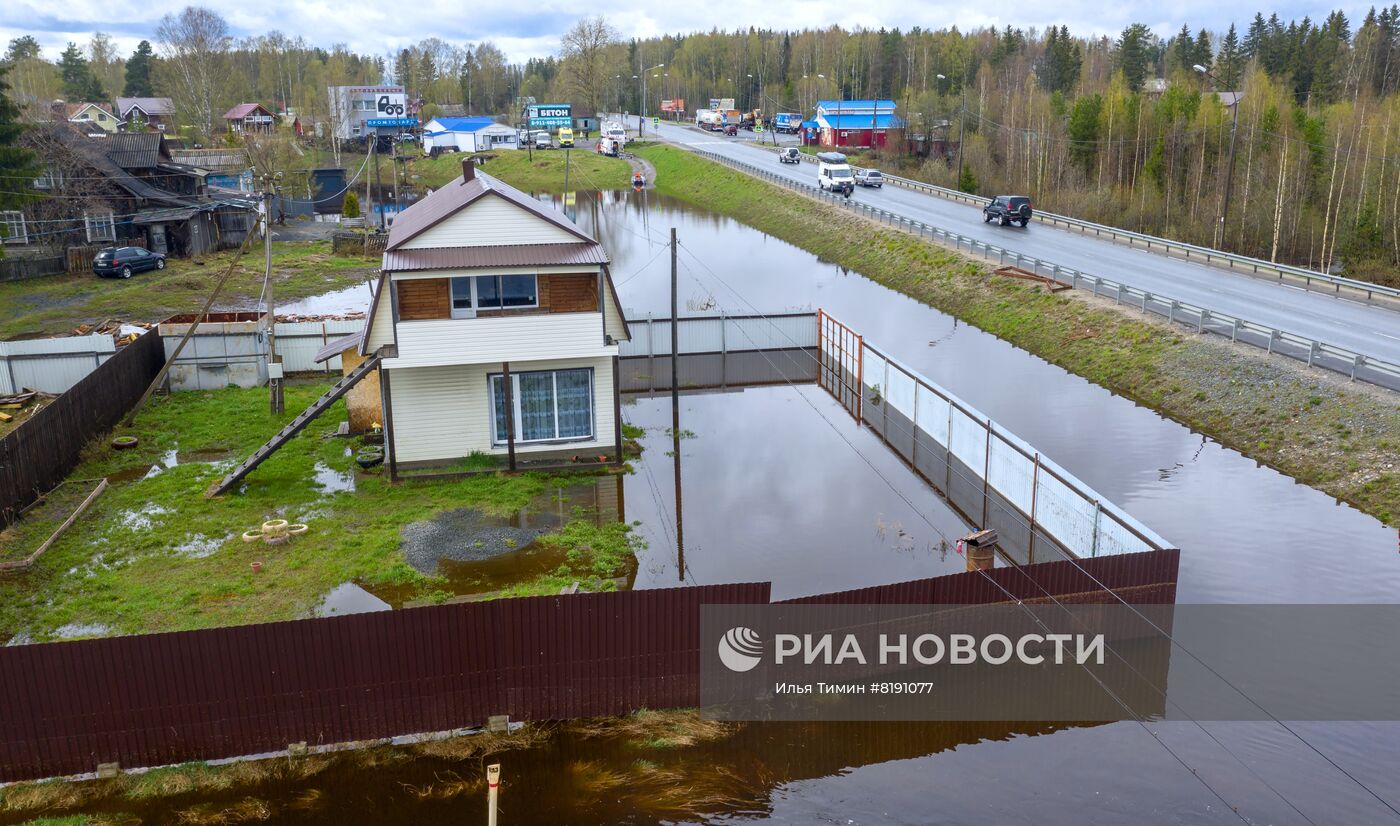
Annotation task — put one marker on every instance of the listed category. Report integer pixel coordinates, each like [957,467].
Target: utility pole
[567,150]
[676,412]
[1218,237]
[378,185]
[962,127]
[274,362]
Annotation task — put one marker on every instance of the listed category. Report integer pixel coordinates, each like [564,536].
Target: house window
[493,292]
[100,226]
[12,229]
[547,406]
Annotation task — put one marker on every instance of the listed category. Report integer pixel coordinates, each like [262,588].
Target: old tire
[125,442]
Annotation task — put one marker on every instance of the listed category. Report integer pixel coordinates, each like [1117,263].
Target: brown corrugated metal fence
[199,695]
[196,695]
[40,453]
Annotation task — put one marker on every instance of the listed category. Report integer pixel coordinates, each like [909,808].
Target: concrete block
[498,722]
[106,771]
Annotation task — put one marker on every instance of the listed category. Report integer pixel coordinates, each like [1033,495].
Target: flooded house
[498,326]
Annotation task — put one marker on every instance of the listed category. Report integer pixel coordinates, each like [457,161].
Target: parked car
[566,137]
[731,129]
[124,261]
[407,137]
[1008,209]
[870,177]
[543,141]
[789,155]
[606,146]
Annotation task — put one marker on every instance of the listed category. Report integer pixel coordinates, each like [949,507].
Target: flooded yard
[779,483]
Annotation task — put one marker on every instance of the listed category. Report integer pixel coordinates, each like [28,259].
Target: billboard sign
[550,115]
[390,105]
[670,106]
[376,122]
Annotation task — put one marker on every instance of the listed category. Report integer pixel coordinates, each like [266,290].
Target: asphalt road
[1371,330]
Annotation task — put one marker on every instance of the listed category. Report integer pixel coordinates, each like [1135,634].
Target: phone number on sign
[901,688]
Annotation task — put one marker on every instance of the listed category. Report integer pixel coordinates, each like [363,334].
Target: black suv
[1008,209]
[123,261]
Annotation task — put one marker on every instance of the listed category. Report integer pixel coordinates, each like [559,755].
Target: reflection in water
[1276,525]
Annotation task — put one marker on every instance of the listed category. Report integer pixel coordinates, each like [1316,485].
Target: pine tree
[1201,53]
[138,72]
[1183,49]
[78,81]
[1255,37]
[1133,54]
[16,162]
[1229,63]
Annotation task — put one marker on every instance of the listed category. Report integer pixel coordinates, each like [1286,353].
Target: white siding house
[468,135]
[498,326]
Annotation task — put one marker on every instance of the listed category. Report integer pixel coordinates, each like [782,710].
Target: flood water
[771,488]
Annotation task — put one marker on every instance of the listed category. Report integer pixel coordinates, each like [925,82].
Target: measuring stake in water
[493,783]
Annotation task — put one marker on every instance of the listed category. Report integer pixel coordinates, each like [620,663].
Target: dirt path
[643,166]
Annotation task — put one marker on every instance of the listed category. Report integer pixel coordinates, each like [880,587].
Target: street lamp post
[641,123]
[962,126]
[1218,237]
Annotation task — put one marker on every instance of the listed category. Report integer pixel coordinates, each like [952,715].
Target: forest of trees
[1120,130]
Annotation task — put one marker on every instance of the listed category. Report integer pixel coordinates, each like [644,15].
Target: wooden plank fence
[36,456]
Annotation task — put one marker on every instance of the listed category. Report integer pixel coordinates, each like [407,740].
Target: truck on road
[788,122]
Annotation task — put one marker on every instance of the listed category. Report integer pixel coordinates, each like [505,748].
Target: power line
[1112,695]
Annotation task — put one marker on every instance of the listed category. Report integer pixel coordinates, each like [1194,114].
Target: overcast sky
[532,29]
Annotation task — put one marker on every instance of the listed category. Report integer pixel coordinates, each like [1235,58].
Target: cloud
[530,30]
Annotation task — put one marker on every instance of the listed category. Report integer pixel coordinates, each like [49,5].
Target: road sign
[757,127]
[656,121]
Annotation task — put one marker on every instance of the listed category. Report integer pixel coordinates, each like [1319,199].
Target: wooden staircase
[295,426]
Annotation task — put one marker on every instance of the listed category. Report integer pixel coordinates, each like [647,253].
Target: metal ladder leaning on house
[295,426]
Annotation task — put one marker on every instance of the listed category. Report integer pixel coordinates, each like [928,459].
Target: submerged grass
[152,554]
[543,173]
[58,304]
[1338,437]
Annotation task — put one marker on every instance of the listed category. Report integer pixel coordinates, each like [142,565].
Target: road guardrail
[1202,320]
[1310,278]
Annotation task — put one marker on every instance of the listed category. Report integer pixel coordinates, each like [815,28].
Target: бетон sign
[549,115]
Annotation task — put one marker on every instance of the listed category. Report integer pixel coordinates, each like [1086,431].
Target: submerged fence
[39,454]
[989,474]
[226,692]
[717,352]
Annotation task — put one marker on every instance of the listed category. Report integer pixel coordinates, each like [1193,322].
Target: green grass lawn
[152,554]
[543,173]
[57,304]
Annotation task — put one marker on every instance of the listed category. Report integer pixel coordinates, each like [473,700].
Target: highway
[1371,330]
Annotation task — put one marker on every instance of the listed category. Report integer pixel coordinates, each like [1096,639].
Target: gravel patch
[461,535]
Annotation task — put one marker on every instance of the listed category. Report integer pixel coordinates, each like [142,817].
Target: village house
[859,124]
[124,189]
[96,118]
[248,118]
[141,114]
[498,327]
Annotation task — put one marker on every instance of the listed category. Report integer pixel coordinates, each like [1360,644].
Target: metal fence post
[986,474]
[1094,543]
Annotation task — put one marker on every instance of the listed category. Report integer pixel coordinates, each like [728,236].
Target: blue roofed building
[475,134]
[858,124]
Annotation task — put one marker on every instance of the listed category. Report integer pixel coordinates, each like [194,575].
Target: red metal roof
[504,255]
[458,195]
[243,110]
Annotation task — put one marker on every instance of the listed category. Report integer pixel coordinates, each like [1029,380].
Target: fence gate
[839,362]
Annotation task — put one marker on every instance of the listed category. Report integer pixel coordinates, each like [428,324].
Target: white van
[614,131]
[834,174]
